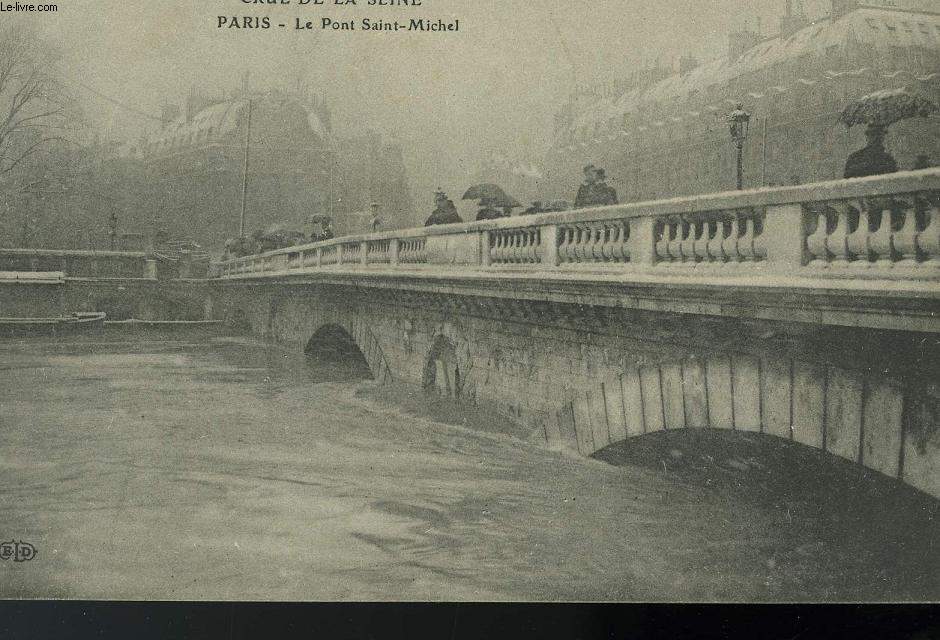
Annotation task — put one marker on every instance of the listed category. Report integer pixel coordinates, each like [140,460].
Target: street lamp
[738,120]
[112,227]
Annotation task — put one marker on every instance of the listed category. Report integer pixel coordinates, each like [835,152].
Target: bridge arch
[351,343]
[331,344]
[872,420]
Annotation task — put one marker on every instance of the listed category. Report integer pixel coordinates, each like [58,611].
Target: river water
[184,467]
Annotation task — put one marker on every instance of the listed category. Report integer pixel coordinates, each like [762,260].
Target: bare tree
[33,103]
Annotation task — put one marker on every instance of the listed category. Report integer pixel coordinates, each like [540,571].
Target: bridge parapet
[885,227]
[81,264]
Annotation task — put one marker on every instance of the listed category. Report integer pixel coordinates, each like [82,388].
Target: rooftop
[878,29]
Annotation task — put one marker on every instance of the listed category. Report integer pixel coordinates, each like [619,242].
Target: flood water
[190,468]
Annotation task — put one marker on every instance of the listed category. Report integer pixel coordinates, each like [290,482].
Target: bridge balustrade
[878,227]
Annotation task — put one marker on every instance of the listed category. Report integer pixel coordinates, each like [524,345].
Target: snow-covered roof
[875,29]
[211,124]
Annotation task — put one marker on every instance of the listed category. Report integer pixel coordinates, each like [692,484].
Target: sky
[448,99]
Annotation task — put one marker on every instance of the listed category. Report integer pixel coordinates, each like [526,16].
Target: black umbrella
[493,193]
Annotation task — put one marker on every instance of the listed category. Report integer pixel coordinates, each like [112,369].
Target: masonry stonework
[585,377]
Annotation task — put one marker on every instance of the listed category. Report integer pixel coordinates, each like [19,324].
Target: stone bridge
[124,284]
[806,313]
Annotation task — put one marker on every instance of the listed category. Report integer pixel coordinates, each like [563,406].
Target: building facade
[274,156]
[668,136]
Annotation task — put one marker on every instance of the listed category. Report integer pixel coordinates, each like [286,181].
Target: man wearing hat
[872,159]
[594,191]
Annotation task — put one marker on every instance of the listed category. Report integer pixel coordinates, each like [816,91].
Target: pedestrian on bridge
[594,191]
[445,212]
[872,159]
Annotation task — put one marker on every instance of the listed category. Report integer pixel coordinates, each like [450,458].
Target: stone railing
[878,227]
[81,264]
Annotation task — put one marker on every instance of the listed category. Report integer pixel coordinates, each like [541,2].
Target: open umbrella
[489,191]
[883,108]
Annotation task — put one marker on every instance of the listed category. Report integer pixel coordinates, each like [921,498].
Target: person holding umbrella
[488,211]
[878,111]
[444,210]
[491,196]
[872,159]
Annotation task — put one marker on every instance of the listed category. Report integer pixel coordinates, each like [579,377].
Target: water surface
[227,469]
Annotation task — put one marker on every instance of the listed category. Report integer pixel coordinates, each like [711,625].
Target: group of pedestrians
[593,192]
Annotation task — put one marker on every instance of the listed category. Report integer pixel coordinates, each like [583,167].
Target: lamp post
[738,121]
[112,228]
[241,218]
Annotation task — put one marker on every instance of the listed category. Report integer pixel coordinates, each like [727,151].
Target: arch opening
[816,511]
[441,370]
[332,353]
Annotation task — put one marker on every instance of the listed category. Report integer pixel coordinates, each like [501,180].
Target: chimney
[792,21]
[195,102]
[687,63]
[741,41]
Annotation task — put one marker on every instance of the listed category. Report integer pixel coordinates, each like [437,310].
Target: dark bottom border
[234,621]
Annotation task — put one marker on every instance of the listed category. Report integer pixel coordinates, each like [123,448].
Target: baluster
[837,240]
[675,242]
[596,253]
[816,242]
[905,239]
[597,242]
[746,242]
[582,249]
[663,236]
[715,251]
[706,229]
[729,245]
[880,240]
[617,251]
[534,245]
[606,243]
[859,241]
[564,244]
[575,241]
[687,245]
[760,239]
[928,240]
[578,244]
